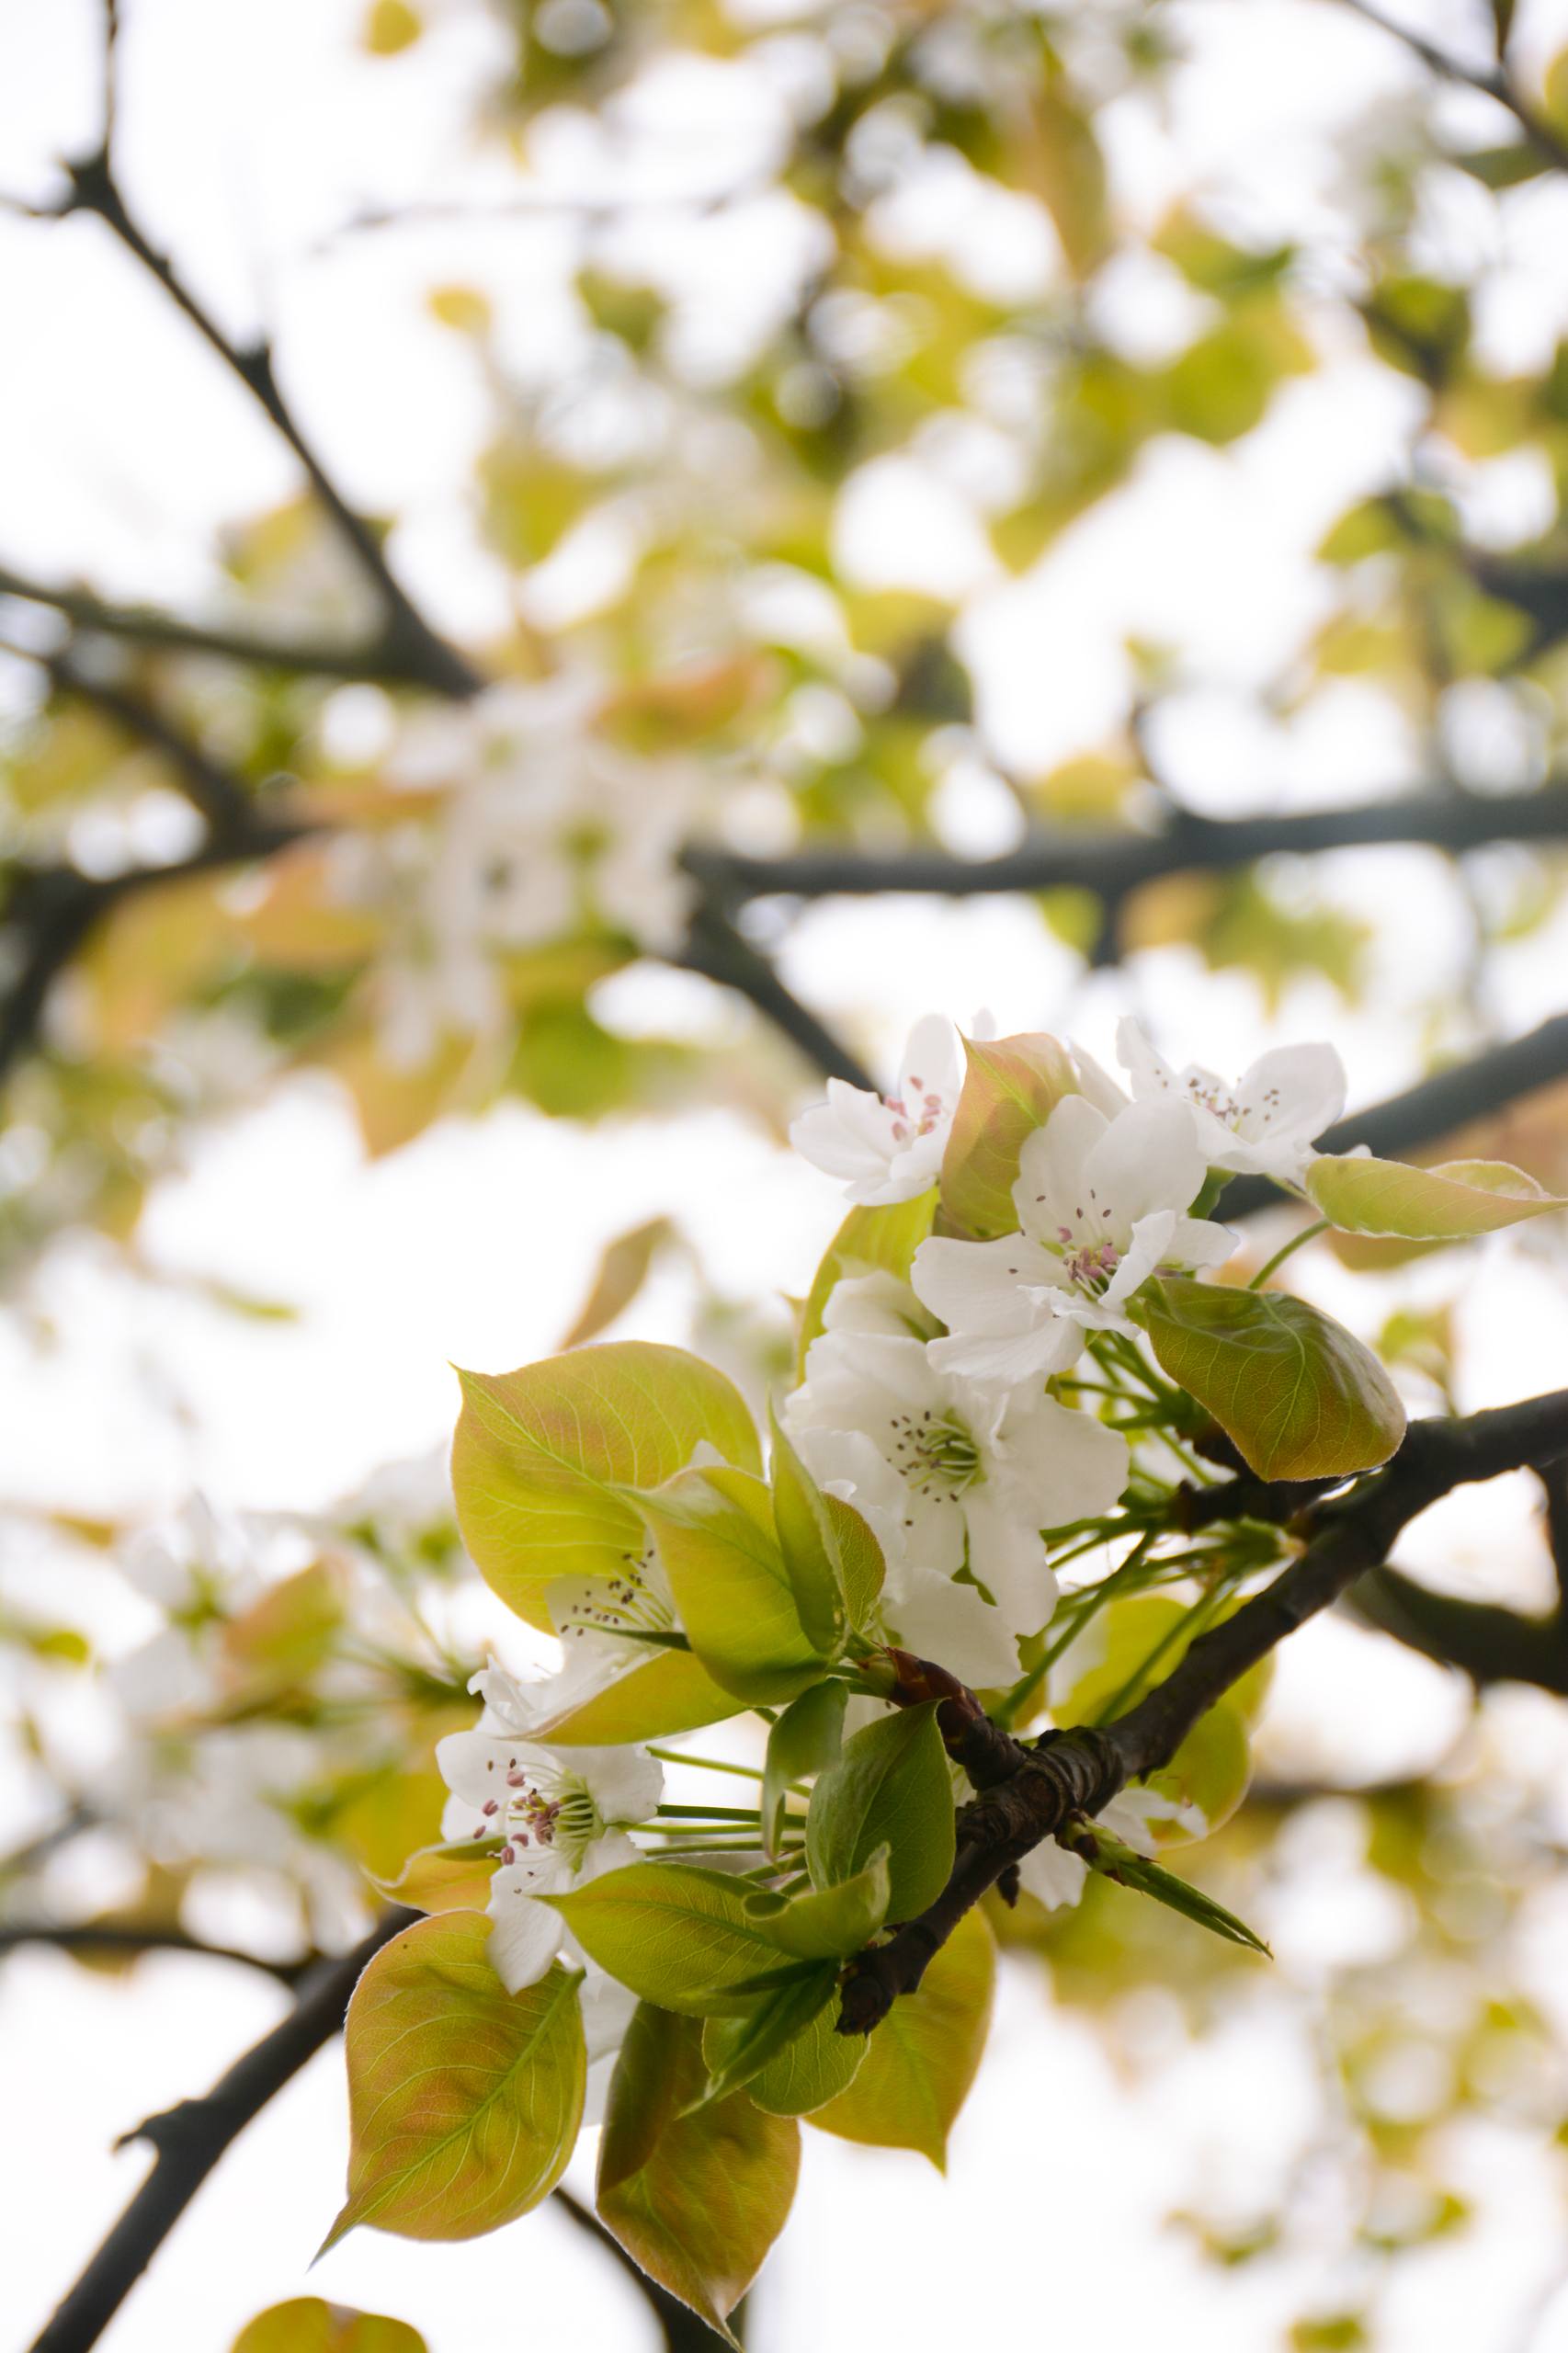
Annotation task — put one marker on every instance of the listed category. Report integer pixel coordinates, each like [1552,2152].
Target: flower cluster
[524,823]
[933,1403]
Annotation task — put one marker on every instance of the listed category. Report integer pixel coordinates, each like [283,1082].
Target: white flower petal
[525,1936]
[1053,1875]
[1147,1159]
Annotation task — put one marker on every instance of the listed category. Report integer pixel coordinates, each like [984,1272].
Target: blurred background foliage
[957,297]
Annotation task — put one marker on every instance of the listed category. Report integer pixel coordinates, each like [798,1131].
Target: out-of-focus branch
[213,789]
[1112,864]
[1484,1641]
[1492,81]
[381,660]
[112,1938]
[51,910]
[716,949]
[190,2140]
[420,655]
[1432,1109]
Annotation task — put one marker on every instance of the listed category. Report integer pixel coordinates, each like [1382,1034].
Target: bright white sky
[249,133]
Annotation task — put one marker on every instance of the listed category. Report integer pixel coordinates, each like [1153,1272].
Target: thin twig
[110,1939]
[1492,81]
[715,949]
[188,2140]
[380,661]
[426,659]
[213,789]
[684,2331]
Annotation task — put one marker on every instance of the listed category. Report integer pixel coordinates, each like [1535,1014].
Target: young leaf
[833,1922]
[890,1787]
[808,1542]
[310,2324]
[1298,1393]
[735,2049]
[542,1456]
[662,1691]
[675,1934]
[921,2061]
[1449,1203]
[1011,1086]
[463,2099]
[805,1740]
[870,1241]
[812,2069]
[696,2194]
[1103,1851]
[622,1271]
[452,1878]
[719,1549]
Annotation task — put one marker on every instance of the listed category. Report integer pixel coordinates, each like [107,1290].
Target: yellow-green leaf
[675,1934]
[806,1739]
[1448,1203]
[869,1241]
[734,1594]
[891,1788]
[814,2068]
[669,1691]
[541,1455]
[463,2099]
[1011,1086]
[310,2324]
[697,2195]
[623,1271]
[921,2061]
[453,1878]
[1298,1393]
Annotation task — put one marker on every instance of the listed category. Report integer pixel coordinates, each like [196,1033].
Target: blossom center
[935,1451]
[627,1605]
[916,1112]
[551,1810]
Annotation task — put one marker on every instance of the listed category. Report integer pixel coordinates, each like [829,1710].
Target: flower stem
[1307,1233]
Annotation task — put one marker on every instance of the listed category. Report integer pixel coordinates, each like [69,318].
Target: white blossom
[561,1816]
[955,1481]
[889,1148]
[1101,1206]
[1267,1123]
[201,1571]
[541,826]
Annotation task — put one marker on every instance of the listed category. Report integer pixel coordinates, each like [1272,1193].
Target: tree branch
[1425,1113]
[425,658]
[111,1937]
[716,949]
[1112,864]
[684,2331]
[1493,82]
[382,661]
[213,789]
[1078,1771]
[1484,1641]
[51,911]
[190,2140]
